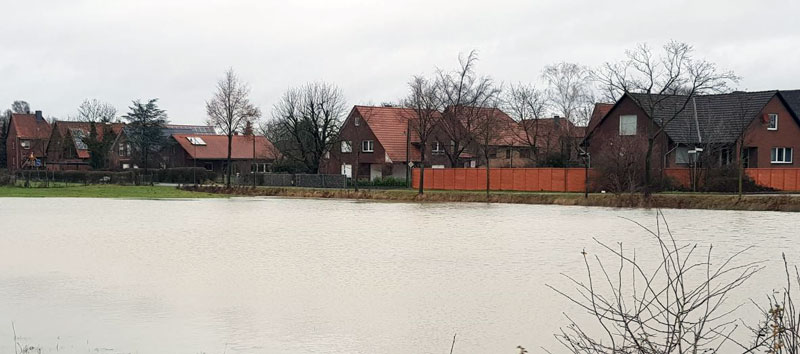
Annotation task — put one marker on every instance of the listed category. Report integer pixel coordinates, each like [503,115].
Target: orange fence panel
[571,179]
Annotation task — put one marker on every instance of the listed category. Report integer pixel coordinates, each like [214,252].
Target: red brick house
[761,123]
[535,142]
[211,152]
[378,137]
[28,135]
[67,149]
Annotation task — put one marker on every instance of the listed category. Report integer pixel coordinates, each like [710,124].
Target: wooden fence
[570,179]
[783,179]
[507,179]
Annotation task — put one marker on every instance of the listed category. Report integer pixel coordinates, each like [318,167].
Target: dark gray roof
[720,118]
[170,129]
[792,98]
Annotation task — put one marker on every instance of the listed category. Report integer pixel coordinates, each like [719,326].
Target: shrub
[384,182]
[184,175]
[726,179]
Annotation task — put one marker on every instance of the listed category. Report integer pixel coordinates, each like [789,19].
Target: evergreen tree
[145,124]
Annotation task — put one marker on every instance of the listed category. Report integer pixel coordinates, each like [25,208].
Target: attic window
[196,140]
[773,122]
[26,144]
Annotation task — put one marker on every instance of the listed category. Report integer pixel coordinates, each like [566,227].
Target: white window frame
[623,129]
[347,147]
[367,146]
[781,155]
[769,121]
[437,147]
[25,144]
[356,121]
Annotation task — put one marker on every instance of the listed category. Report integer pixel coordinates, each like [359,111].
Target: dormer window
[773,122]
[196,140]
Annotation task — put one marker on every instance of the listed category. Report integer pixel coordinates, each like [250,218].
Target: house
[535,142]
[28,135]
[377,140]
[122,154]
[248,152]
[706,129]
[67,148]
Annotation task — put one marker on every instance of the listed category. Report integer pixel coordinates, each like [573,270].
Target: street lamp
[694,153]
[587,159]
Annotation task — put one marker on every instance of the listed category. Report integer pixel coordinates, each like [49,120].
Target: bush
[288,166]
[384,182]
[726,180]
[184,175]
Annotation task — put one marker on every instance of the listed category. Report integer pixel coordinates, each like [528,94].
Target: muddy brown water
[272,275]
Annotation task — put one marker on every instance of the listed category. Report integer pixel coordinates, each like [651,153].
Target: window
[508,153]
[347,146]
[347,170]
[259,168]
[356,121]
[725,157]
[124,150]
[26,144]
[781,155]
[126,166]
[367,146]
[437,147]
[196,140]
[627,125]
[681,155]
[773,122]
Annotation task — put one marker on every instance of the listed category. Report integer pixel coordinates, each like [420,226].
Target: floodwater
[324,276]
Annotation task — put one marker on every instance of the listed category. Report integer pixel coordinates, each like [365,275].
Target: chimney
[556,120]
[39,115]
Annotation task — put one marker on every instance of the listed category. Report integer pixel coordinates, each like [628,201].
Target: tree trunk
[486,156]
[422,169]
[354,169]
[648,158]
[230,167]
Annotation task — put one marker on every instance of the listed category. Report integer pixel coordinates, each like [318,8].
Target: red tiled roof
[390,125]
[216,147]
[28,127]
[600,111]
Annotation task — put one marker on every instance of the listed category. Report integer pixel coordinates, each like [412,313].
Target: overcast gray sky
[56,53]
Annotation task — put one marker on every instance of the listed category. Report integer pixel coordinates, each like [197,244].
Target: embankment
[676,201]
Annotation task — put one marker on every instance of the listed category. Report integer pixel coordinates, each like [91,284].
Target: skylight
[196,140]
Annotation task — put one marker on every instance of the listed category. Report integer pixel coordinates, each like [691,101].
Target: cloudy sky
[56,53]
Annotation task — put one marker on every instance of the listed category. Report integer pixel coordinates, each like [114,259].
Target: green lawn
[104,191]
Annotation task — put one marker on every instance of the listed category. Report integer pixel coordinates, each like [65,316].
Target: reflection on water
[324,276]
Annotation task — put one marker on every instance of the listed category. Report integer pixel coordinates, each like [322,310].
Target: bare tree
[463,96]
[95,111]
[309,118]
[679,306]
[230,110]
[527,105]
[779,330]
[570,91]
[489,128]
[20,107]
[665,84]
[424,99]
